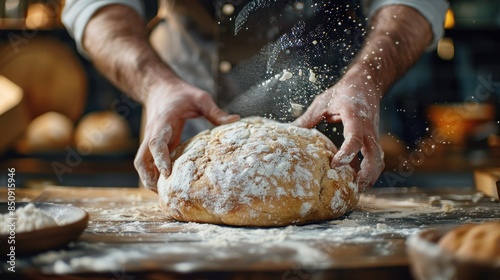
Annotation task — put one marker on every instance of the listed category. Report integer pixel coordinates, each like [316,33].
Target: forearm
[397,37]
[116,40]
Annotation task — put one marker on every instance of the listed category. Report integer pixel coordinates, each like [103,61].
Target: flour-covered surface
[128,232]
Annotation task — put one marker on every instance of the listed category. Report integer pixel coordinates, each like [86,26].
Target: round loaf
[257,172]
[479,243]
[50,131]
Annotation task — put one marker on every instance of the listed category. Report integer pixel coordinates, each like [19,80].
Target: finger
[372,164]
[312,116]
[353,134]
[334,118]
[144,164]
[158,147]
[215,114]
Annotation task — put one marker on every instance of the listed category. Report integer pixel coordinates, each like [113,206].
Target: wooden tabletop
[128,237]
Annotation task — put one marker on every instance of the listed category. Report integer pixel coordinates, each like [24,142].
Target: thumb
[309,119]
[215,114]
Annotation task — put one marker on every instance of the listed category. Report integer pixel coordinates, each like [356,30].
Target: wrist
[365,80]
[157,77]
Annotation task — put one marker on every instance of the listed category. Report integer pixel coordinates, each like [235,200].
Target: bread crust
[479,243]
[257,172]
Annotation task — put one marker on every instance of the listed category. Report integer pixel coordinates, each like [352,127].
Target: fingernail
[229,119]
[334,163]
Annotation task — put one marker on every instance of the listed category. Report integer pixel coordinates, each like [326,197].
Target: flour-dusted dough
[480,243]
[257,172]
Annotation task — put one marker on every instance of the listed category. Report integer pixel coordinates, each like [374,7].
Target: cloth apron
[241,51]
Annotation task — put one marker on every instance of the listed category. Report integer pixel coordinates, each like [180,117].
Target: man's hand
[355,103]
[116,40]
[398,37]
[168,107]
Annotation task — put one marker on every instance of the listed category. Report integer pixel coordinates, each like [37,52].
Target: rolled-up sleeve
[433,10]
[77,13]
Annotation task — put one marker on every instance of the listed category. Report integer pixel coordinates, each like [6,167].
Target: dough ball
[48,132]
[257,172]
[479,243]
[102,132]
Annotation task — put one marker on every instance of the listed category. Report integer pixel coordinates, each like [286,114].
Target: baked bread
[102,132]
[480,243]
[257,172]
[51,131]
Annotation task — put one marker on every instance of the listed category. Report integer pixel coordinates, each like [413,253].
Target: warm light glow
[38,16]
[10,95]
[446,49]
[449,20]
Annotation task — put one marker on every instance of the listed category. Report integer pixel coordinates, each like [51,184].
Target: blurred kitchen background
[62,123]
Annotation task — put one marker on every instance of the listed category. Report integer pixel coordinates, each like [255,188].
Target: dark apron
[247,51]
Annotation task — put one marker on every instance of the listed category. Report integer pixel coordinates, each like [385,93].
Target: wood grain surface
[128,236]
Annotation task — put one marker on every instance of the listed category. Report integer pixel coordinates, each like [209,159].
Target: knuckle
[137,164]
[202,97]
[382,166]
[150,187]
[160,140]
[355,139]
[138,160]
[153,142]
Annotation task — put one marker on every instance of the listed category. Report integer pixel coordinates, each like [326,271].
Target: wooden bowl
[73,222]
[430,261]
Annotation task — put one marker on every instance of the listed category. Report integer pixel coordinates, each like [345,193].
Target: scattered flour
[305,208]
[447,205]
[382,226]
[286,76]
[337,203]
[28,218]
[312,76]
[332,174]
[296,109]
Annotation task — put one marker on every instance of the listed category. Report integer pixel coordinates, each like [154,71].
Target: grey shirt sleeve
[433,10]
[77,13]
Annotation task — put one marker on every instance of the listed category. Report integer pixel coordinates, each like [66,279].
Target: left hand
[354,102]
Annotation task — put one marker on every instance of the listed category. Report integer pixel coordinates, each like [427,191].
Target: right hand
[354,102]
[168,106]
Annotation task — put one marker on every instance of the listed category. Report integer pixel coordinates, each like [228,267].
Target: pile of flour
[27,218]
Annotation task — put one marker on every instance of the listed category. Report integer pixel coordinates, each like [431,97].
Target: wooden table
[128,237]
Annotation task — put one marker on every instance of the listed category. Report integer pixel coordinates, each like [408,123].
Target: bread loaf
[480,243]
[257,172]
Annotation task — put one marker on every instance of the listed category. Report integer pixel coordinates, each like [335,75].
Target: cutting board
[487,181]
